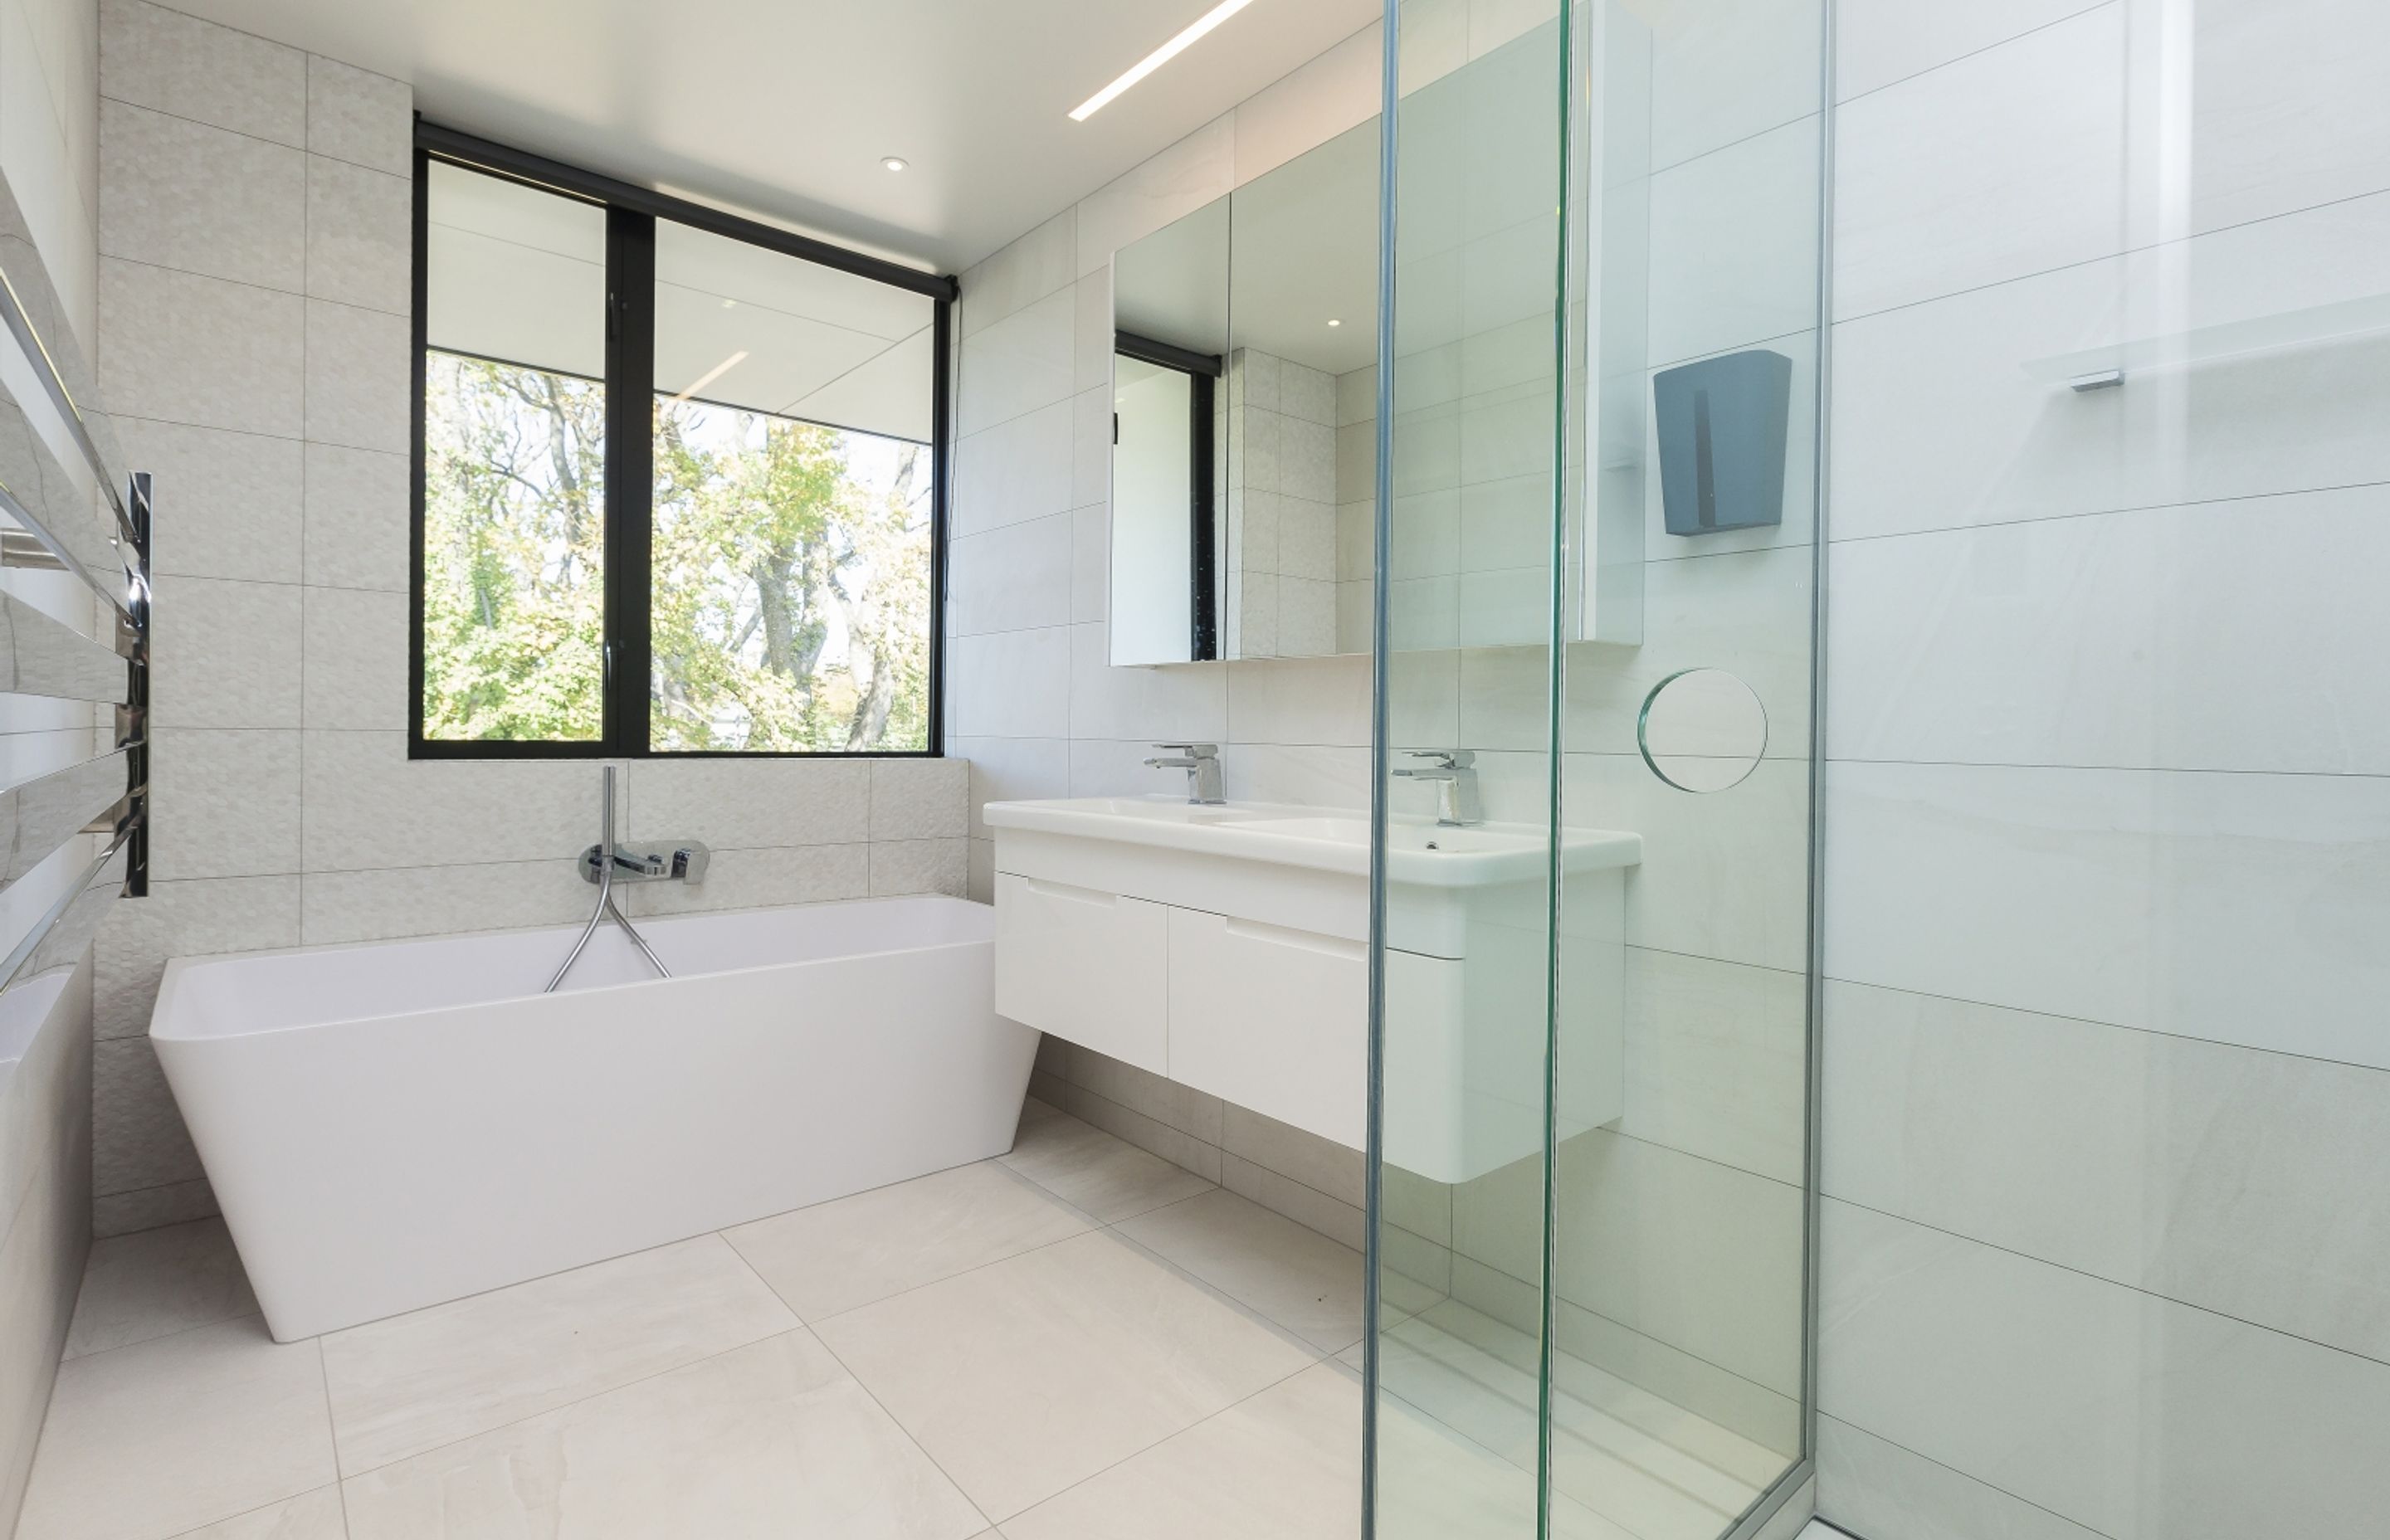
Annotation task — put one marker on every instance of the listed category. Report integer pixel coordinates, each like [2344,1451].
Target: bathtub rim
[160,1029]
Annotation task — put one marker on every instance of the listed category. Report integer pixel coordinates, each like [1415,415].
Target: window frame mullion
[630,476]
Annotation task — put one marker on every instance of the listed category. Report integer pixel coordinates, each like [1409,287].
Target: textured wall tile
[356,518]
[443,901]
[179,194]
[184,919]
[161,58]
[357,115]
[223,803]
[920,799]
[183,348]
[228,504]
[762,878]
[357,377]
[356,659]
[138,1136]
[360,235]
[125,1212]
[227,654]
[920,866]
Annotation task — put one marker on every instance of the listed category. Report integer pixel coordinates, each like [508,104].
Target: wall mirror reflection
[1170,314]
[1264,305]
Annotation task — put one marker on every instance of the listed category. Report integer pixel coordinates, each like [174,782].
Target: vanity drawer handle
[1307,941]
[1094,897]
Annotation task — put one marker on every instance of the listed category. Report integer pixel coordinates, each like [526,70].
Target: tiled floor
[1076,1341]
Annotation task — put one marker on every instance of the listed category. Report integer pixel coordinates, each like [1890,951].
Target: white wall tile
[1181,179]
[1017,364]
[1716,1061]
[1091,574]
[2004,163]
[1938,421]
[1011,684]
[1301,701]
[1870,1486]
[1019,469]
[1013,577]
[2125,639]
[2288,112]
[1021,273]
[1091,331]
[1320,99]
[1734,244]
[228,503]
[1184,702]
[2217,1177]
[1878,42]
[1012,769]
[2229,908]
[2135,1416]
[164,59]
[1726,72]
[183,348]
[179,194]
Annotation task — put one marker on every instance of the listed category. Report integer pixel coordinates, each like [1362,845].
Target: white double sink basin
[1225,947]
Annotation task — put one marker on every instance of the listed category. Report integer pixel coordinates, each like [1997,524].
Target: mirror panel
[1170,317]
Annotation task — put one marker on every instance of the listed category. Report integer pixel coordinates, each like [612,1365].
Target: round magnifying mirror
[1702,729]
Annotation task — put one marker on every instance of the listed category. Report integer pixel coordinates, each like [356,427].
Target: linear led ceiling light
[1157,59]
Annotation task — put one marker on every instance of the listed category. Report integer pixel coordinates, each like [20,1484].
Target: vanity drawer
[1271,1018]
[1092,967]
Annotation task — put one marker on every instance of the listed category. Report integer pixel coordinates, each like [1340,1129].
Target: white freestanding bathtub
[389,1126]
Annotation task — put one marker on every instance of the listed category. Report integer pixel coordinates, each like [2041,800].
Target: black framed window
[679,477]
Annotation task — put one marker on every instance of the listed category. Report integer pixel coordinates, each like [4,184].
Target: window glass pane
[514,453]
[790,602]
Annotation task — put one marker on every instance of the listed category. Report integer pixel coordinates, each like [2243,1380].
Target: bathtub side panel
[374,1167]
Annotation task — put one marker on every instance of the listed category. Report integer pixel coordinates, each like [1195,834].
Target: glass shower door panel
[1471,441]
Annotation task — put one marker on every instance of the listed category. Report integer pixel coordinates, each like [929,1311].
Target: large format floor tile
[412,1382]
[1283,1465]
[835,1256]
[316,1515]
[164,1436]
[1023,1378]
[1264,1261]
[154,1283]
[1092,1169]
[772,1440]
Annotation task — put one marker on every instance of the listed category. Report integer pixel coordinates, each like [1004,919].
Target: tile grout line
[1967,1475]
[2091,1276]
[332,1432]
[806,1327]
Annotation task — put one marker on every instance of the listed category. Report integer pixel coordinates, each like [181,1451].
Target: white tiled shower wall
[254,232]
[2106,1249]
[49,61]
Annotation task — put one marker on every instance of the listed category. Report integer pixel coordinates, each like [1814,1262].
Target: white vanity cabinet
[1227,948]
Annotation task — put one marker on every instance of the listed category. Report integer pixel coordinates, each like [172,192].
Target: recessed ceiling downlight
[893,162]
[1157,59]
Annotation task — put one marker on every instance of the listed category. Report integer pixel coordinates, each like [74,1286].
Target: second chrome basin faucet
[1455,774]
[1201,762]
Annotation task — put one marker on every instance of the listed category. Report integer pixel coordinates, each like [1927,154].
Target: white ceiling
[784,107]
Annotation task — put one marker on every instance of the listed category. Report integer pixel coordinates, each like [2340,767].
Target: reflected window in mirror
[1164,510]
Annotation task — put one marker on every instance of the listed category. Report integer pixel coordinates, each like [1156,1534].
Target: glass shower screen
[1591,1218]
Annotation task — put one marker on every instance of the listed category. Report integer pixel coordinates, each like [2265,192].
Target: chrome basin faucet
[1455,774]
[1201,762]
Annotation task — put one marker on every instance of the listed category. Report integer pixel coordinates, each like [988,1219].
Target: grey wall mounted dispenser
[1722,429]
